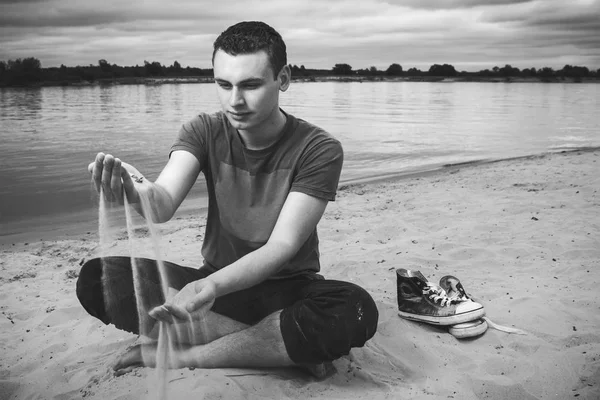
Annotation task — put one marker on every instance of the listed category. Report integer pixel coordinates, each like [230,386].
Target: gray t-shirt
[247,188]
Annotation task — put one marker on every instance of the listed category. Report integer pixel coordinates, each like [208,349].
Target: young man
[258,300]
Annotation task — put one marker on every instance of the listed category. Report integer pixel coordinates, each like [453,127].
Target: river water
[49,135]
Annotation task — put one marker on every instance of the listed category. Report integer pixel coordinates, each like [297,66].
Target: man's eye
[224,85]
[251,86]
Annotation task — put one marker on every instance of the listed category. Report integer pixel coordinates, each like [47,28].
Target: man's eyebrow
[253,80]
[245,81]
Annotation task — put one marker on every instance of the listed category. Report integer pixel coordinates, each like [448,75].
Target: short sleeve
[319,168]
[192,137]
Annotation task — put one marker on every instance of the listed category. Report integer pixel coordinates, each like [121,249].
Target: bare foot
[320,371]
[134,358]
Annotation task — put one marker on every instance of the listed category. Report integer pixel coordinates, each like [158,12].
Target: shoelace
[437,294]
[457,296]
[503,328]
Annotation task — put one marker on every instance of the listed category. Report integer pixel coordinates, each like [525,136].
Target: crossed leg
[283,323]
[259,345]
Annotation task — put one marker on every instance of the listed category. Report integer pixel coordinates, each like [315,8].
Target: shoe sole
[445,320]
[469,329]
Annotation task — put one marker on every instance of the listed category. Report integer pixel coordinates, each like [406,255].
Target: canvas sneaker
[424,301]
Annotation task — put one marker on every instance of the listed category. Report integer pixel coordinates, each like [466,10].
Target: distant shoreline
[429,78]
[324,78]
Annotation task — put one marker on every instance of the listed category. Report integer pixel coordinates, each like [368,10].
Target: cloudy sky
[469,34]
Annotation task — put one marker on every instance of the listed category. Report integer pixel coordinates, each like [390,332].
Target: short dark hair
[250,37]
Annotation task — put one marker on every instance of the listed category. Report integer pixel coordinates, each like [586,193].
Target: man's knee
[104,287]
[324,326]
[367,315]
[89,288]
[359,320]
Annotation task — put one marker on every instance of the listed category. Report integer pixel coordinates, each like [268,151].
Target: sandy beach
[522,235]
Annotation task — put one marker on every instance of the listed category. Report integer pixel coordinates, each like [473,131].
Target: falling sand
[165,343]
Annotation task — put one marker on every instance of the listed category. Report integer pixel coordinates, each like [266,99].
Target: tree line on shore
[29,72]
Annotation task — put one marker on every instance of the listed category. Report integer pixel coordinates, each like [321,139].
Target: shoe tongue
[418,275]
[454,288]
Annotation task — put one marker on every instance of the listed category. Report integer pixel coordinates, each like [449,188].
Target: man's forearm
[154,202]
[297,219]
[253,268]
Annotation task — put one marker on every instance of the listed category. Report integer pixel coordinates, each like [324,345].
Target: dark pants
[321,320]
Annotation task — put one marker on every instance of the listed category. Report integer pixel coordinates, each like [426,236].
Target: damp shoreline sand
[523,235]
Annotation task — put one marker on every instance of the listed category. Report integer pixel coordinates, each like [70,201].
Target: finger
[116,186]
[95,168]
[129,186]
[200,300]
[160,313]
[176,311]
[107,167]
[98,160]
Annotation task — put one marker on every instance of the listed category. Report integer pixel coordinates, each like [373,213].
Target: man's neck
[265,134]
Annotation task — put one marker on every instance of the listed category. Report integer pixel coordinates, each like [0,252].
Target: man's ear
[284,77]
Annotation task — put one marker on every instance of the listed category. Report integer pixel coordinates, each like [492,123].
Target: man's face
[247,88]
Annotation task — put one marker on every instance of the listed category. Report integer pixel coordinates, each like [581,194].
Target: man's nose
[236,97]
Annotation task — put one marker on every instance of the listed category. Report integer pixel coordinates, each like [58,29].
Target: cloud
[551,29]
[468,33]
[459,4]
[67,13]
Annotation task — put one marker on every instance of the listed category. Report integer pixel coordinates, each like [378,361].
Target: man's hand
[191,302]
[114,176]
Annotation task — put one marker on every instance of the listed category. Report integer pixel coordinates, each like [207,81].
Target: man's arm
[297,220]
[173,184]
[165,195]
